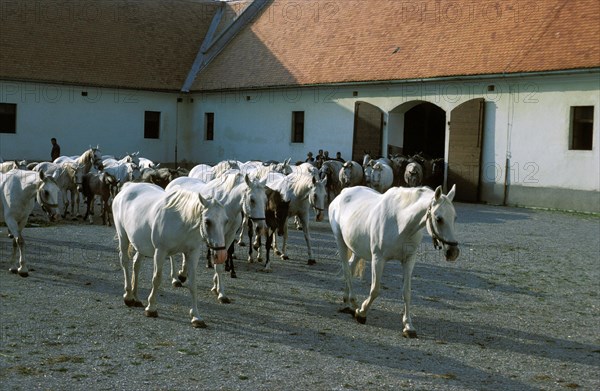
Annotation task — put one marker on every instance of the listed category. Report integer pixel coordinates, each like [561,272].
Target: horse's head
[317,195]
[254,203]
[212,228]
[47,196]
[277,210]
[413,175]
[440,220]
[94,155]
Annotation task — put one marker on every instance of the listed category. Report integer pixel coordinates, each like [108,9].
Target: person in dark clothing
[55,153]
[338,157]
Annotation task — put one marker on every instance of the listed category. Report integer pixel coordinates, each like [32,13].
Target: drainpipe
[509,124]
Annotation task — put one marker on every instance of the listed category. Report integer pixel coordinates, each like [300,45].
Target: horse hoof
[360,319]
[13,270]
[151,314]
[224,300]
[233,275]
[311,262]
[241,244]
[133,303]
[285,258]
[23,274]
[278,253]
[346,310]
[177,284]
[181,278]
[409,334]
[198,324]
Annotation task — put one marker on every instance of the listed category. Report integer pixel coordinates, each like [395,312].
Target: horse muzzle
[451,253]
[220,256]
[319,215]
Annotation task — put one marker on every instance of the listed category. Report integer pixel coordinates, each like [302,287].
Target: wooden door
[368,131]
[464,154]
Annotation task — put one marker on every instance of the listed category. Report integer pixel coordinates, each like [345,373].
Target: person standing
[55,153]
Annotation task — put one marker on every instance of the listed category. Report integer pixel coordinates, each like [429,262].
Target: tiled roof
[142,44]
[333,41]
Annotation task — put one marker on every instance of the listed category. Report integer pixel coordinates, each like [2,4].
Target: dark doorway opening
[425,130]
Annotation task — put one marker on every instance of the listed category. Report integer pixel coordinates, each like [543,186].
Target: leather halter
[435,236]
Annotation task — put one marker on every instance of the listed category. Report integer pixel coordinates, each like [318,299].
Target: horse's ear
[438,193]
[324,181]
[203,200]
[451,193]
[287,161]
[247,180]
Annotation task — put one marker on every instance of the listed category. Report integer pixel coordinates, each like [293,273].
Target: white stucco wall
[527,119]
[110,118]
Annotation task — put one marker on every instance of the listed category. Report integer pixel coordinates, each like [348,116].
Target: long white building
[507,93]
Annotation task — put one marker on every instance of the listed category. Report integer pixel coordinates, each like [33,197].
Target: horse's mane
[300,182]
[188,204]
[231,181]
[406,196]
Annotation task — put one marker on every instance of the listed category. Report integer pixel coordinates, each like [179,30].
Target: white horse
[159,224]
[18,191]
[146,163]
[69,178]
[382,177]
[12,165]
[90,158]
[302,191]
[378,227]
[239,195]
[351,174]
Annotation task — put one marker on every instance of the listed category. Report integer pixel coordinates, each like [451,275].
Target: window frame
[152,131]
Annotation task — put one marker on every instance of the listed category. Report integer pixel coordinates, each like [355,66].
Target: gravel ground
[519,310]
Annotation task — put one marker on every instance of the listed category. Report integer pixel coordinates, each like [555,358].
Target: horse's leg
[408,331]
[348,266]
[218,287]
[137,263]
[65,201]
[250,244]
[192,263]
[230,252]
[245,223]
[128,296]
[377,266]
[174,280]
[257,246]
[18,243]
[304,220]
[159,257]
[282,254]
[268,244]
[209,264]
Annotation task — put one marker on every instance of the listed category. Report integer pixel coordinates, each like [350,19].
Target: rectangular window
[151,124]
[297,126]
[8,118]
[582,128]
[209,126]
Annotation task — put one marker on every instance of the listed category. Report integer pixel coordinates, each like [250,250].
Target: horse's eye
[439,220]
[46,193]
[208,223]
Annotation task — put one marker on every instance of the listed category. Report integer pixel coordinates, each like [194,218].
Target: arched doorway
[368,130]
[425,130]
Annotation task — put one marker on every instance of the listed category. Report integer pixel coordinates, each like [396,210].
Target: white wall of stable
[110,118]
[527,119]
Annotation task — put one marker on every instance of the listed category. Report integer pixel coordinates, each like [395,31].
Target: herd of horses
[376,210]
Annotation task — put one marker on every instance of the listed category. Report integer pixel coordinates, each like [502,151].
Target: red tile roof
[152,44]
[147,44]
[332,41]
